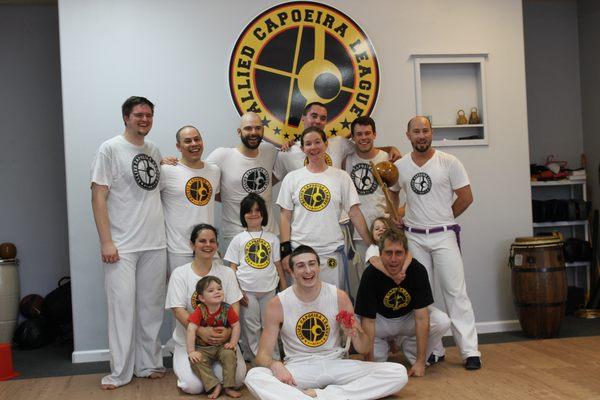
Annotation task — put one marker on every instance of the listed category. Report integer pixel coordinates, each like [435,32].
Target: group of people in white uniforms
[146,362]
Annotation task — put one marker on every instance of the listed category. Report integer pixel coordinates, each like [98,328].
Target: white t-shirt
[372,199]
[132,174]
[430,189]
[316,201]
[287,161]
[255,254]
[188,198]
[241,175]
[309,330]
[372,251]
[182,292]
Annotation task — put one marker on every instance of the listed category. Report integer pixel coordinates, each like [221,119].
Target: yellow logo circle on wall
[396,298]
[313,329]
[258,253]
[314,196]
[299,52]
[198,191]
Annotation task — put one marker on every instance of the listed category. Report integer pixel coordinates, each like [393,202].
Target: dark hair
[393,235]
[135,101]
[309,106]
[364,121]
[410,121]
[312,129]
[204,282]
[385,221]
[246,206]
[200,227]
[185,127]
[302,249]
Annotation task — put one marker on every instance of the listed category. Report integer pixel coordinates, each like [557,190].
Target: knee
[191,387]
[397,373]
[228,356]
[255,375]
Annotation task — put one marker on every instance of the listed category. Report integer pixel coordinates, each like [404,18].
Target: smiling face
[305,270]
[251,130]
[378,228]
[316,116]
[420,134]
[139,120]
[190,144]
[213,294]
[364,137]
[314,146]
[205,245]
[254,218]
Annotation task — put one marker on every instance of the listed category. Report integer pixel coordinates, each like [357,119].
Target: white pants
[332,269]
[440,255]
[403,331]
[189,382]
[357,266]
[135,294]
[177,260]
[252,317]
[332,379]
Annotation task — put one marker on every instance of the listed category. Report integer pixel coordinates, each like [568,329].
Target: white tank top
[310,330]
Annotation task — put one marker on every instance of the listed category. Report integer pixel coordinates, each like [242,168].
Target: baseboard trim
[482,327]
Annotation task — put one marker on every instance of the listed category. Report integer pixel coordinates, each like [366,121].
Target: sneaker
[473,363]
[433,359]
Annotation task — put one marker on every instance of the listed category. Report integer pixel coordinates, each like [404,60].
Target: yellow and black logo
[195,300]
[331,262]
[396,298]
[327,160]
[313,329]
[314,196]
[198,191]
[258,253]
[299,52]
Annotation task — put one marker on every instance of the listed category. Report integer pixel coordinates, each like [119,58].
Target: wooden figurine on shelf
[474,118]
[462,119]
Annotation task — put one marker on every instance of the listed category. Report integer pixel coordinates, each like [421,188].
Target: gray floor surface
[55,359]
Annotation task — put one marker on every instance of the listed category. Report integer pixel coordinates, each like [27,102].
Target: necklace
[252,237]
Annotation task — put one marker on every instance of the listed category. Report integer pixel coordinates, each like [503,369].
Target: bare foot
[108,386]
[310,392]
[215,392]
[232,393]
[156,375]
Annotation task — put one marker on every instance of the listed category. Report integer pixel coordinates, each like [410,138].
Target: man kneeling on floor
[313,366]
[395,304]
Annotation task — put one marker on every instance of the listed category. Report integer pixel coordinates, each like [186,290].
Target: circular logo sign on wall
[299,52]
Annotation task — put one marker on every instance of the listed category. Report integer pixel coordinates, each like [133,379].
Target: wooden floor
[543,369]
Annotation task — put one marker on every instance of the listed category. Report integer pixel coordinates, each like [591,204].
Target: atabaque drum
[9,298]
[539,284]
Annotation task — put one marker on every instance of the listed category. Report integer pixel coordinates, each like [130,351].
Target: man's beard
[251,146]
[421,148]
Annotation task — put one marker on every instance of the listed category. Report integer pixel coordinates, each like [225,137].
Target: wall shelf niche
[446,83]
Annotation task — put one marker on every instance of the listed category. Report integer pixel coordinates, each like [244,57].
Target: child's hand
[230,346]
[195,356]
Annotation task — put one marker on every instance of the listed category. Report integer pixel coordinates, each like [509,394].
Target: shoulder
[217,153]
[416,268]
[225,273]
[446,158]
[181,271]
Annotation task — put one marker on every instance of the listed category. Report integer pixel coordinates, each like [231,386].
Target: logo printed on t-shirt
[145,171]
[396,298]
[314,196]
[327,160]
[198,191]
[331,262]
[255,180]
[195,300]
[363,179]
[420,183]
[257,253]
[313,329]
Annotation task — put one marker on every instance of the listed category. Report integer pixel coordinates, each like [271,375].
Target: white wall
[32,167]
[178,57]
[553,82]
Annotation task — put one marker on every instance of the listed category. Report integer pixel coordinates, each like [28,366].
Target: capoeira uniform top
[430,189]
[132,175]
[379,294]
[255,254]
[309,330]
[188,198]
[372,199]
[316,201]
[241,175]
[287,161]
[182,292]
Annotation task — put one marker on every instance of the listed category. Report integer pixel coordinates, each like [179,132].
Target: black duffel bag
[577,250]
[57,304]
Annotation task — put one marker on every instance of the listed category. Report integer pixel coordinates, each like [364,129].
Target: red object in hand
[346,319]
